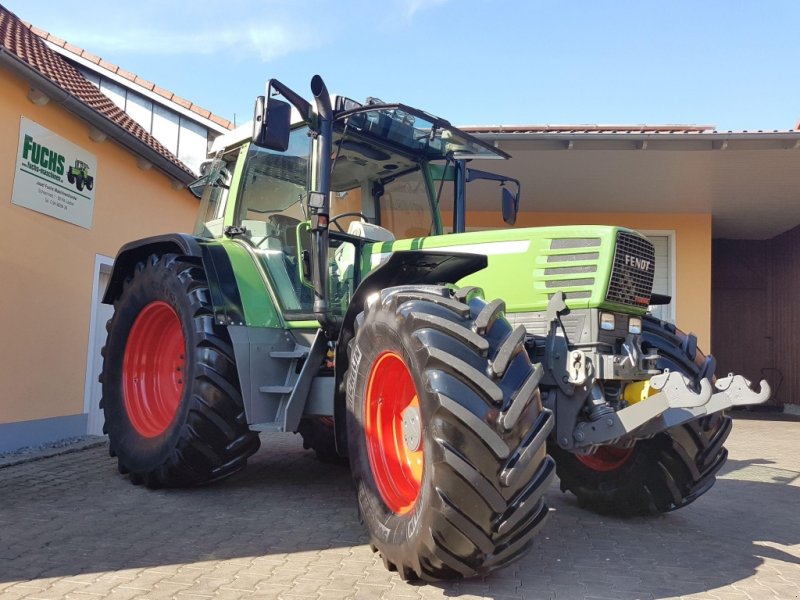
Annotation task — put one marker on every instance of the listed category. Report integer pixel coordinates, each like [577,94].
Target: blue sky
[732,64]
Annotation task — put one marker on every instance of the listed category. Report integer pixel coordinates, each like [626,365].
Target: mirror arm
[302,106]
[475,174]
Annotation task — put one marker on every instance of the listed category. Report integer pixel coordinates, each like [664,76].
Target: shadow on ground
[74,514]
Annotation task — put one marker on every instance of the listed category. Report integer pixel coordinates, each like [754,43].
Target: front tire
[173,409]
[446,433]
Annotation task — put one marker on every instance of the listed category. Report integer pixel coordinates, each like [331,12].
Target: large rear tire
[173,408]
[660,474]
[446,433]
[318,435]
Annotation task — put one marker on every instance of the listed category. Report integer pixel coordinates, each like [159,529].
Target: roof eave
[76,106]
[638,140]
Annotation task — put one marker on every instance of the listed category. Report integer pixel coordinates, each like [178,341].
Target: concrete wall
[46,265]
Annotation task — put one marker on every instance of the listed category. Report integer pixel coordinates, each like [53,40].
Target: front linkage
[653,448]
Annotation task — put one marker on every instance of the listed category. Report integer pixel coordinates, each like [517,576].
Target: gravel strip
[65,446]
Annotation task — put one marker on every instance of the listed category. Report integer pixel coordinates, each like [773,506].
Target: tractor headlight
[607,321]
[635,325]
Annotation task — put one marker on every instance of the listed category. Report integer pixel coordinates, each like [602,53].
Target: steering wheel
[333,220]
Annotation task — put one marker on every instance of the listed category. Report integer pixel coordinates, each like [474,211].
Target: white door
[662,280]
[101,313]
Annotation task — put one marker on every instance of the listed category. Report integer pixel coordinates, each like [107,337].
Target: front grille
[632,274]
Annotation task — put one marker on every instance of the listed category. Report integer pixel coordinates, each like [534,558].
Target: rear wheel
[318,435]
[446,433]
[173,409]
[660,474]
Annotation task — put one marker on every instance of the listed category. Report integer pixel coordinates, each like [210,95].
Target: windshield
[412,130]
[378,185]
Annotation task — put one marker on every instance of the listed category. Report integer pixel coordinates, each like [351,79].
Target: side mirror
[509,200]
[510,203]
[272,121]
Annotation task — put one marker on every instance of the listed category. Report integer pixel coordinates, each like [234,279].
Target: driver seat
[346,254]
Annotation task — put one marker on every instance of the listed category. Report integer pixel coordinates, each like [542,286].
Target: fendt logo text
[638,263]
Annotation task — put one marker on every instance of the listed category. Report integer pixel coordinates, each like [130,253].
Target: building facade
[78,178]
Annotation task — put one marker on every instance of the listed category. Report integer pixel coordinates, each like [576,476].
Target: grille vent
[632,274]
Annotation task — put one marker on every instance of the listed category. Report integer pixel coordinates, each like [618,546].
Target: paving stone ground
[286,527]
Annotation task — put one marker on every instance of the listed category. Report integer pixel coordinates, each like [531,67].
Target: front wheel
[662,473]
[446,433]
[173,409]
[656,475]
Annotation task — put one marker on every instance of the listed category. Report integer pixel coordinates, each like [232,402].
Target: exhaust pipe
[321,214]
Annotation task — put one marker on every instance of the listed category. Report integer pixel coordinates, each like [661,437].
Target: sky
[732,64]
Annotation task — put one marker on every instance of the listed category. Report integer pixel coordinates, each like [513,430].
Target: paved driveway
[286,527]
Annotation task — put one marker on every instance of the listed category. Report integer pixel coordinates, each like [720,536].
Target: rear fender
[407,267]
[209,254]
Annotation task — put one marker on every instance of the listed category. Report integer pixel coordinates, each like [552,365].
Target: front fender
[406,267]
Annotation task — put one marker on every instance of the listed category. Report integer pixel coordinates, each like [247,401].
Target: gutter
[104,124]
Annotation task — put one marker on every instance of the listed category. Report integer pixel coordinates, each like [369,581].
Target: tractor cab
[388,164]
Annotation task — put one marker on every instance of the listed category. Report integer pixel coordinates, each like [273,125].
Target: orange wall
[46,265]
[692,253]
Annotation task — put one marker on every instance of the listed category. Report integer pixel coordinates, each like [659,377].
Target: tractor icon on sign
[79,175]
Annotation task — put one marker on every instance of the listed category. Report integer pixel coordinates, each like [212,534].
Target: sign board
[54,176]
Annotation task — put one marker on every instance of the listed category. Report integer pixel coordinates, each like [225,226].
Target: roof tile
[221,121]
[201,111]
[181,101]
[25,44]
[126,74]
[162,92]
[144,83]
[90,57]
[72,48]
[108,66]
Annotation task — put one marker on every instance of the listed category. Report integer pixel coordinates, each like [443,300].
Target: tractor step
[276,389]
[298,353]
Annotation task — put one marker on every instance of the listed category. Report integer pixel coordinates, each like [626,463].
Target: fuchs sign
[54,176]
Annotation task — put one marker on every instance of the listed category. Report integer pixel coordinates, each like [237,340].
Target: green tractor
[79,175]
[319,296]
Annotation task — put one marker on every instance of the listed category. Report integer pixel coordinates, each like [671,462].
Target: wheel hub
[412,428]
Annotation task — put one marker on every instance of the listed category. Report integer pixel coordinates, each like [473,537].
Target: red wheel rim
[607,458]
[153,370]
[397,468]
